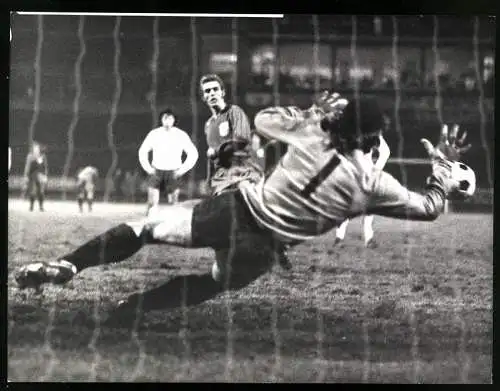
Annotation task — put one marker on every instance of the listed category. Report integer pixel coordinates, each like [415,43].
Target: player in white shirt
[168,143]
[380,156]
[85,183]
[326,176]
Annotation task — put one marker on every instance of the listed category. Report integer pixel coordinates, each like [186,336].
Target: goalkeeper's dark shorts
[244,249]
[225,179]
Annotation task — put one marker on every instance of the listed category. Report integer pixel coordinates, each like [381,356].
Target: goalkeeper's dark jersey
[314,188]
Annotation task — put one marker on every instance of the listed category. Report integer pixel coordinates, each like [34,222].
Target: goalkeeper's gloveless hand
[451,147]
[329,104]
[441,169]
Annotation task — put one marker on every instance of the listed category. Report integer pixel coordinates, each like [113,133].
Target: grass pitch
[417,309]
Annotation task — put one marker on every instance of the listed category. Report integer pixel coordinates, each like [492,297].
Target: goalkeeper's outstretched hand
[329,104]
[442,163]
[450,147]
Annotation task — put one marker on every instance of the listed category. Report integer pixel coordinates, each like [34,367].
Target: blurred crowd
[126,185]
[408,76]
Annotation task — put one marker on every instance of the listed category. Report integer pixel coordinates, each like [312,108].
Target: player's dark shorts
[165,180]
[224,223]
[86,190]
[36,184]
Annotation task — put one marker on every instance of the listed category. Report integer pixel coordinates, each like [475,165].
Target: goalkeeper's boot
[36,274]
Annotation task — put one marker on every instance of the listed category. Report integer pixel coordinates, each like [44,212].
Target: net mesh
[107,126]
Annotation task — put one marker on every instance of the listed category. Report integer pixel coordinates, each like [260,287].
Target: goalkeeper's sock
[90,205]
[80,205]
[341,230]
[114,245]
[32,203]
[368,228]
[180,291]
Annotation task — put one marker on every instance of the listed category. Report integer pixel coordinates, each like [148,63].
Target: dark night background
[263,61]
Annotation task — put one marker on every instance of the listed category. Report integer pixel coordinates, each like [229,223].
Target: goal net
[89,88]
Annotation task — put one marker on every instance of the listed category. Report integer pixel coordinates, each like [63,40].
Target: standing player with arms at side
[85,182]
[167,142]
[380,156]
[326,176]
[229,140]
[36,171]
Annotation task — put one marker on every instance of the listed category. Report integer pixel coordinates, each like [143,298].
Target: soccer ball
[466,179]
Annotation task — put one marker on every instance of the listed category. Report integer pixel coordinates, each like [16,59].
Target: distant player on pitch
[380,156]
[86,183]
[326,176]
[167,142]
[36,171]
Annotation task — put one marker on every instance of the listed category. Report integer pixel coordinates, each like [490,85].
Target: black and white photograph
[250,198]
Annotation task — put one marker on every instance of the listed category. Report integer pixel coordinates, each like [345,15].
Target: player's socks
[32,203]
[341,230]
[90,205]
[368,228]
[175,196]
[281,257]
[114,245]
[117,244]
[40,203]
[80,205]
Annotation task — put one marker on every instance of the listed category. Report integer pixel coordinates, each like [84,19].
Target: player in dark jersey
[229,140]
[36,175]
[326,176]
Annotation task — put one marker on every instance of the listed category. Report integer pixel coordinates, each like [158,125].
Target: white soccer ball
[466,178]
